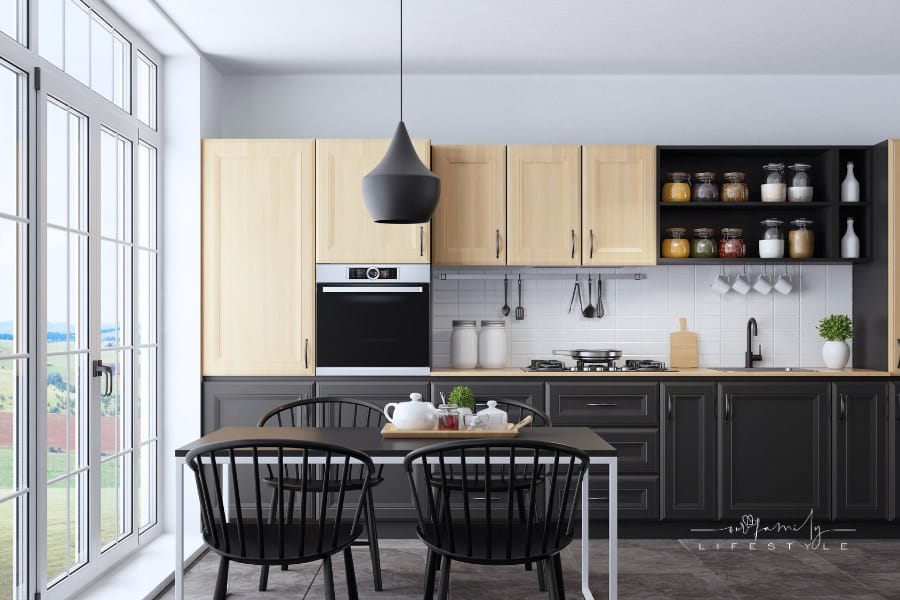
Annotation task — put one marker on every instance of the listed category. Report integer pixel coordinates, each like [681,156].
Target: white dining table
[393,451]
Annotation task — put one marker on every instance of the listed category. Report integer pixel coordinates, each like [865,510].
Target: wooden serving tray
[389,431]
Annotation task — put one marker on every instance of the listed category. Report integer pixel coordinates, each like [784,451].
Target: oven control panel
[373,273]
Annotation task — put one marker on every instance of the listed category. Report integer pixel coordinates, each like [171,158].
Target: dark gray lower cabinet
[688,432]
[393,501]
[894,457]
[638,497]
[774,450]
[604,404]
[235,403]
[859,432]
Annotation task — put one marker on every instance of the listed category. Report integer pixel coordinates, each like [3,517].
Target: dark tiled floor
[647,569]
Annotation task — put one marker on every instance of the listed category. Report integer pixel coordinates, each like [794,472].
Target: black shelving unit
[827,170]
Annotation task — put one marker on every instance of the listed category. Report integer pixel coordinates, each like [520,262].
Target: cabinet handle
[591,238]
[483,498]
[573,243]
[727,407]
[842,415]
[421,240]
[498,244]
[306,353]
[598,498]
[601,404]
[668,407]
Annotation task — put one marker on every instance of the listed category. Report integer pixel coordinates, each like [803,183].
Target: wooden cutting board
[683,347]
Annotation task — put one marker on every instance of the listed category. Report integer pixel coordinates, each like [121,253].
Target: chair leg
[444,586]
[264,570]
[289,519]
[350,571]
[541,573]
[547,580]
[523,517]
[558,575]
[430,569]
[372,532]
[328,578]
[222,580]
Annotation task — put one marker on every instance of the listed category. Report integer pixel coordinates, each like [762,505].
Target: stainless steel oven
[373,319]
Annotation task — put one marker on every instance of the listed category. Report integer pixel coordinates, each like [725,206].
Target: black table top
[371,442]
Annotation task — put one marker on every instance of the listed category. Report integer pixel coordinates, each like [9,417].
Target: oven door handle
[372,289]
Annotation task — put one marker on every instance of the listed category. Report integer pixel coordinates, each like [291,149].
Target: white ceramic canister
[463,345]
[492,346]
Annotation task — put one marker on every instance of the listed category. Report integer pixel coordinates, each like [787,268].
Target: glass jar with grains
[774,189]
[677,187]
[676,244]
[703,245]
[705,189]
[800,240]
[732,243]
[735,189]
[772,243]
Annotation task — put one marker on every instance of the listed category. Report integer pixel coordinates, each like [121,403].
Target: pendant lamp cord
[401,60]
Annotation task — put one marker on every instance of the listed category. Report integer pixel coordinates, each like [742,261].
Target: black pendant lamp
[401,189]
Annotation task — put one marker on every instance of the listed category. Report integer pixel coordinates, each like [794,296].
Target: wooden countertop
[699,372]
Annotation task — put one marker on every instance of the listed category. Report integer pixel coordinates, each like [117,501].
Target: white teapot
[414,414]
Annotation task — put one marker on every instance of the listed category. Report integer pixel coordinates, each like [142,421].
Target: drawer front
[637,449]
[638,498]
[603,405]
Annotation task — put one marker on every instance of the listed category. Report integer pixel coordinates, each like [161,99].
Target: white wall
[569,109]
[639,315]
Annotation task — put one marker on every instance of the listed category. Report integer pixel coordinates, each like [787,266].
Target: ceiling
[546,36]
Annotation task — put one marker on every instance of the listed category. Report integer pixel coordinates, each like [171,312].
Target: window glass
[50,30]
[146,91]
[101,58]
[11,143]
[11,12]
[77,42]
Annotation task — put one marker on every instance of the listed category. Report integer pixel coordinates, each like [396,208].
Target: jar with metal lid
[463,345]
[703,245]
[735,188]
[772,243]
[774,189]
[677,187]
[731,245]
[800,189]
[705,189]
[676,244]
[800,240]
[448,417]
[492,346]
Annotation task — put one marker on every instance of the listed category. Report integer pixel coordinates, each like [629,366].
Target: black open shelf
[757,261]
[827,170]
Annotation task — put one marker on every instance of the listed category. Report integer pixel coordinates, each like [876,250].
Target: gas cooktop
[597,366]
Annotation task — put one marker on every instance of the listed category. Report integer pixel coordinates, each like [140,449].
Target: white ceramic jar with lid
[494,419]
[772,243]
[492,346]
[463,345]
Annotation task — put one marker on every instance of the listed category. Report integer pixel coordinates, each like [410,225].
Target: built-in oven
[373,320]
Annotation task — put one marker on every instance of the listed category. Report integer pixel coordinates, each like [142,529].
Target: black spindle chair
[330,411]
[478,522]
[328,520]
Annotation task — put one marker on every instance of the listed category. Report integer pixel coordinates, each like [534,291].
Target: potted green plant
[463,397]
[836,330]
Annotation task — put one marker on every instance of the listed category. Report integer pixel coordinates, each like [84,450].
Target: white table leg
[613,528]
[179,528]
[585,536]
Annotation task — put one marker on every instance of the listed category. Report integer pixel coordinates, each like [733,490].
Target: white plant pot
[836,354]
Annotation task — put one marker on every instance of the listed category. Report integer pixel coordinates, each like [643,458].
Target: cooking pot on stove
[591,354]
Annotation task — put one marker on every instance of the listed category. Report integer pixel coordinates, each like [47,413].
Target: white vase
[850,242]
[835,354]
[850,186]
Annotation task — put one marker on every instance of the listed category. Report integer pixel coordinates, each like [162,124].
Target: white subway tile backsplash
[639,315]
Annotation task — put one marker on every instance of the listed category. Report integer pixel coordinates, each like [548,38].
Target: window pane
[114,414]
[146,485]
[146,300]
[146,91]
[146,390]
[66,543]
[77,174]
[146,196]
[12,559]
[114,496]
[11,439]
[101,58]
[114,300]
[57,165]
[11,142]
[121,73]
[78,41]
[50,30]
[9,24]
[10,291]
[115,187]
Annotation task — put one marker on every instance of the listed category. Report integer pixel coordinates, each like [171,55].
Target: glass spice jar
[772,243]
[774,189]
[735,188]
[448,417]
[676,244]
[732,243]
[800,240]
[800,189]
[703,245]
[677,187]
[705,189]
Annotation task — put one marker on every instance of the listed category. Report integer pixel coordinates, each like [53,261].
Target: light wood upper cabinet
[469,226]
[544,205]
[258,271]
[345,232]
[619,205]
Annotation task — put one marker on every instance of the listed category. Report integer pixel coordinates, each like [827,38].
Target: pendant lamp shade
[401,189]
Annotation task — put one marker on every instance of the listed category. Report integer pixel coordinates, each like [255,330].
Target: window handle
[98,369]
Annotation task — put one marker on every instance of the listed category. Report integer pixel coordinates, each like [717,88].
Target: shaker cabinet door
[859,450]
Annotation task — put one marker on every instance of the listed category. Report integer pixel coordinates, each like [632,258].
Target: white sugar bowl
[496,419]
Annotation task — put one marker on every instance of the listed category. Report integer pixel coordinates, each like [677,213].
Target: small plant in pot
[836,330]
[463,397]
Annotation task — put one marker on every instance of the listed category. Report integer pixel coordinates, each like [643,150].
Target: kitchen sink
[763,369]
